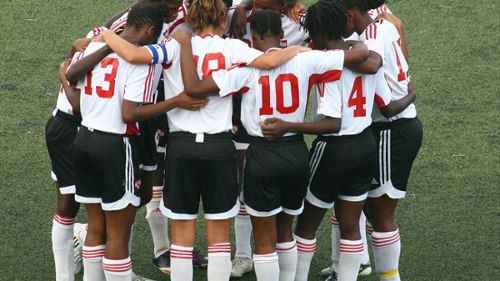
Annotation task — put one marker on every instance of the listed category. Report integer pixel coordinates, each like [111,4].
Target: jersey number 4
[356,98]
[266,108]
[109,77]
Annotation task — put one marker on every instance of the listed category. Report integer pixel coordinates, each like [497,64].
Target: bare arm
[72,94]
[278,58]
[125,49]
[356,55]
[370,66]
[80,68]
[238,25]
[79,45]
[273,128]
[133,111]
[397,106]
[192,84]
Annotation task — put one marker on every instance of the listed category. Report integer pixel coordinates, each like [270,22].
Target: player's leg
[95,243]
[351,245]
[265,258]
[219,249]
[286,246]
[181,251]
[400,142]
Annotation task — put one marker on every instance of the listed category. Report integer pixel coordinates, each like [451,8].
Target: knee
[67,207]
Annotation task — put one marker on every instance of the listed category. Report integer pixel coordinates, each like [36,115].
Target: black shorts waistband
[201,137]
[102,132]
[391,125]
[344,137]
[288,139]
[71,119]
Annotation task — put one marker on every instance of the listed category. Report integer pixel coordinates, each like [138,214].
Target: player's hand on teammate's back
[186,102]
[238,26]
[81,44]
[273,128]
[182,35]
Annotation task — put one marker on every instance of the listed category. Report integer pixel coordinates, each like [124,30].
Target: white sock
[62,247]
[181,263]
[242,233]
[351,253]
[92,263]
[266,267]
[335,242]
[219,262]
[362,230]
[158,224]
[117,270]
[287,258]
[386,249]
[369,228]
[305,253]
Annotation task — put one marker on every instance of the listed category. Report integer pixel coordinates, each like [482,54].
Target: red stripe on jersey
[379,101]
[242,90]
[148,86]
[119,25]
[132,130]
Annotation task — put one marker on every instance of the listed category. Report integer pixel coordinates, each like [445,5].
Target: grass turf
[449,219]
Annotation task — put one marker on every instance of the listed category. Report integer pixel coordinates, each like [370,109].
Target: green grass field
[449,219]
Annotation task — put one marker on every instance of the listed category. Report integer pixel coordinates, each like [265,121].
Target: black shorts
[145,146]
[341,167]
[60,133]
[204,169]
[276,176]
[241,136]
[398,143]
[104,170]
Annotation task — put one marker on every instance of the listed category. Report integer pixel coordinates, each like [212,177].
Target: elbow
[268,65]
[128,117]
[372,69]
[387,112]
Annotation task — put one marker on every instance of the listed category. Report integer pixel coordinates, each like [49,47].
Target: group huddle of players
[170,103]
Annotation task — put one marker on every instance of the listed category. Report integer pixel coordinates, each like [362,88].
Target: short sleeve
[323,66]
[163,52]
[373,38]
[241,53]
[234,80]
[330,101]
[138,87]
[382,90]
[95,32]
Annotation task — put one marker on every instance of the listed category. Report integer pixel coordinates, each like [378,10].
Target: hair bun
[374,4]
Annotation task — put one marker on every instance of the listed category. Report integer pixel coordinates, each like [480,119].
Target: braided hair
[325,18]
[266,23]
[146,13]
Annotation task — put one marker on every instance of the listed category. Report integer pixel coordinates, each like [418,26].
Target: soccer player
[60,133]
[399,138]
[293,35]
[105,174]
[277,171]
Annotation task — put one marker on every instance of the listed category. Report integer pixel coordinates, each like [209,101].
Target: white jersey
[62,101]
[211,53]
[352,99]
[282,92]
[293,33]
[107,85]
[382,37]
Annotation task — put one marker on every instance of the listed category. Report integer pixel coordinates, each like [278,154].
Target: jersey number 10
[266,108]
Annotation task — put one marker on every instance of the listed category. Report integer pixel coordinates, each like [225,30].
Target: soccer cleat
[78,244]
[199,260]
[326,271]
[241,265]
[162,262]
[332,277]
[365,270]
[136,277]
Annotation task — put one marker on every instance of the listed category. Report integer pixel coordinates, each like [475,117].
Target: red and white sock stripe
[287,246]
[64,221]
[384,239]
[219,249]
[305,245]
[351,246]
[157,193]
[272,257]
[117,266]
[93,252]
[179,252]
[243,210]
[333,220]
[369,228]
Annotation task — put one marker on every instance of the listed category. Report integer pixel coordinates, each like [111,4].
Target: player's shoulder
[379,29]
[96,31]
